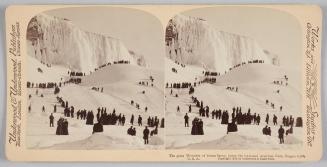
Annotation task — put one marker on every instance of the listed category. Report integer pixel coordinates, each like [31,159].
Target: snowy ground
[120,83]
[255,85]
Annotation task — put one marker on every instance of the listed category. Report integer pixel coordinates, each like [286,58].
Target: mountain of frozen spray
[193,41]
[58,41]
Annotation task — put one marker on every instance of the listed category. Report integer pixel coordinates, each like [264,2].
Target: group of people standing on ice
[238,118]
[102,119]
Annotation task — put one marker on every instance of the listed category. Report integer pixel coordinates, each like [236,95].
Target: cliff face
[58,41]
[192,41]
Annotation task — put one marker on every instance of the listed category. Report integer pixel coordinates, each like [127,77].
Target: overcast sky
[138,30]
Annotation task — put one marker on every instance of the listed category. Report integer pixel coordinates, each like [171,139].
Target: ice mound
[73,47]
[193,41]
[97,141]
[155,140]
[290,139]
[236,141]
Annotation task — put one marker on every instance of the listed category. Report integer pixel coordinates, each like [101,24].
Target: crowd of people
[239,118]
[102,118]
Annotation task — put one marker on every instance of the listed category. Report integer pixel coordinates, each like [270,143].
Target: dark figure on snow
[55,108]
[258,119]
[231,127]
[43,109]
[62,127]
[131,131]
[154,132]
[266,130]
[162,124]
[97,128]
[72,111]
[123,119]
[51,120]
[132,120]
[289,131]
[186,118]
[207,111]
[275,119]
[89,118]
[201,132]
[197,127]
[146,135]
[267,118]
[189,109]
[178,109]
[281,132]
[139,120]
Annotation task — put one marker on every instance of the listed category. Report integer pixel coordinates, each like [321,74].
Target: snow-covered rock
[58,41]
[193,41]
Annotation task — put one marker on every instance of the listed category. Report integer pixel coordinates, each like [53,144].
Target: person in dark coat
[89,118]
[55,108]
[59,130]
[189,109]
[186,118]
[162,123]
[281,132]
[132,120]
[265,130]
[231,127]
[207,111]
[146,135]
[267,118]
[269,131]
[65,127]
[72,111]
[43,109]
[139,120]
[275,119]
[258,119]
[130,131]
[194,130]
[97,128]
[51,120]
[200,127]
[123,119]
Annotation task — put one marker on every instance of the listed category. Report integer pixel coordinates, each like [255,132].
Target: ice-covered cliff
[58,41]
[193,41]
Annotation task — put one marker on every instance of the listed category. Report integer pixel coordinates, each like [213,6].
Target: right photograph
[233,80]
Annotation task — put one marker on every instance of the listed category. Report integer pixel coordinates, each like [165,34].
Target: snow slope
[48,74]
[120,83]
[193,41]
[58,41]
[255,85]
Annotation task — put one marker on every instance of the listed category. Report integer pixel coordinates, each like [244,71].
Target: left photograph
[95,79]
